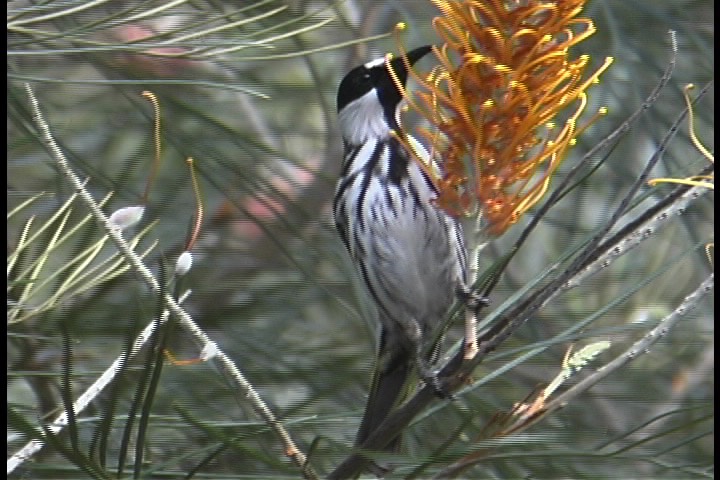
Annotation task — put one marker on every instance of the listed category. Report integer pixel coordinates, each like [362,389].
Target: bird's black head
[368,98]
[375,75]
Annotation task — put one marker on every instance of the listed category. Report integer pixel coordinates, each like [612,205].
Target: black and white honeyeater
[410,254]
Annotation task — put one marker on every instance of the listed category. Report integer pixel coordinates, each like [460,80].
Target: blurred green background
[272,284]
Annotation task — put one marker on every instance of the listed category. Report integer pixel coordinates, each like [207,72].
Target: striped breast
[410,254]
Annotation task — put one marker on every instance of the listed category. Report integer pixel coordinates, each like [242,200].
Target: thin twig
[622,244]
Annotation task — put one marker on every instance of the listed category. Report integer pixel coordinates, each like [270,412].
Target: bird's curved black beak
[398,64]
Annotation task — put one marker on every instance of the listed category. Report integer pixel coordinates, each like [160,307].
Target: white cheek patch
[363,119]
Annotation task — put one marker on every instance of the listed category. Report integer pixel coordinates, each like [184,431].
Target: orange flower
[504,73]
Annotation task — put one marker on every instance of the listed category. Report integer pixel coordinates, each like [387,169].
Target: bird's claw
[473,300]
[431,380]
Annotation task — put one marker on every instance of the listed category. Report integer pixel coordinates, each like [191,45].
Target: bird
[410,254]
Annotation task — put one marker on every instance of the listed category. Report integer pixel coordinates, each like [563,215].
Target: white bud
[184,263]
[125,217]
[209,351]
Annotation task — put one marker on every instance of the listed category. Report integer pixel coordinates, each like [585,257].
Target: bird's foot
[431,379]
[473,300]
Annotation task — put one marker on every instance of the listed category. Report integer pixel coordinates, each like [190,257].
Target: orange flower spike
[449,29]
[503,74]
[483,13]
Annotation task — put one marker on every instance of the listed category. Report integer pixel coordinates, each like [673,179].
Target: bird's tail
[389,388]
